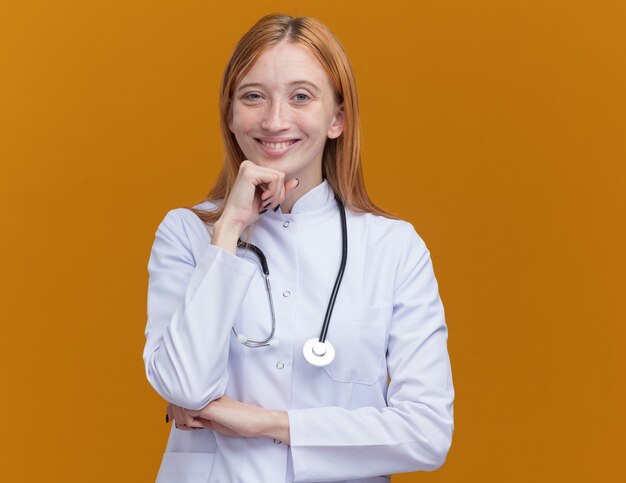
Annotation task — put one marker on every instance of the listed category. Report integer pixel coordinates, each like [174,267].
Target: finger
[252,175]
[258,176]
[193,413]
[265,204]
[277,188]
[291,185]
[269,185]
[168,413]
[191,421]
[180,416]
[263,179]
[184,421]
[286,188]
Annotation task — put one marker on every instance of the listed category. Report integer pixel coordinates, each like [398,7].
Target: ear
[336,128]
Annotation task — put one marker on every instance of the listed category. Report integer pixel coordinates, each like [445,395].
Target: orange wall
[496,127]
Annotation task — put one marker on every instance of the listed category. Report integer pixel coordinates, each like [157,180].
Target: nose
[275,117]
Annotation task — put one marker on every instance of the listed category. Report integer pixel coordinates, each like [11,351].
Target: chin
[279,164]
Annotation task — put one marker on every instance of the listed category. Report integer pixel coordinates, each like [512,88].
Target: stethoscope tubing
[266,273]
[342,269]
[268,290]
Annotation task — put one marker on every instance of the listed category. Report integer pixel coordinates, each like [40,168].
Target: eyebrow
[297,82]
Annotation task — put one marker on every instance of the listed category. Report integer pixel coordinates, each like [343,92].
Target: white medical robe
[346,422]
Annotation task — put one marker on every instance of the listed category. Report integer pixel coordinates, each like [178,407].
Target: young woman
[336,370]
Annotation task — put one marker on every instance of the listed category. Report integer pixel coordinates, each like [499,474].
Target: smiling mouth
[277,146]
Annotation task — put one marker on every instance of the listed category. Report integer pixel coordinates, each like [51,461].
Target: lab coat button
[286,293]
[280,365]
[277,441]
[286,224]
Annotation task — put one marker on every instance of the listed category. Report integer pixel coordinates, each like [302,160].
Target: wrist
[276,426]
[226,234]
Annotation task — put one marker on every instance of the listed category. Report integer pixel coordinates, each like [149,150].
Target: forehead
[284,63]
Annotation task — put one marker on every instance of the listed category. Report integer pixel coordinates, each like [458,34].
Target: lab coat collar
[314,206]
[314,199]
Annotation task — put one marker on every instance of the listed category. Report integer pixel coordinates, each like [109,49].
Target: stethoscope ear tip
[252,343]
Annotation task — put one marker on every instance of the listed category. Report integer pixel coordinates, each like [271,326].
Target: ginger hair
[341,159]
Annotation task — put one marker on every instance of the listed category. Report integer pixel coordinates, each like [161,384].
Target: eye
[301,97]
[251,97]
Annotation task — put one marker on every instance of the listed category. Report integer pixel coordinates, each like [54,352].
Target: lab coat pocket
[185,467]
[360,344]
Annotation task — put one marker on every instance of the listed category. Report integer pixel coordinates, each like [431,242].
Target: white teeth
[277,145]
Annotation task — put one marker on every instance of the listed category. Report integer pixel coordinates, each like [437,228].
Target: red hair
[341,160]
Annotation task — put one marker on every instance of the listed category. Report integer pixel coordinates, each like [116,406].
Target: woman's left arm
[414,431]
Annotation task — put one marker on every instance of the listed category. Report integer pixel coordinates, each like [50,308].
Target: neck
[305,185]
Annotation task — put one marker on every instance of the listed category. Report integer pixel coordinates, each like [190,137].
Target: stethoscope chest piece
[318,353]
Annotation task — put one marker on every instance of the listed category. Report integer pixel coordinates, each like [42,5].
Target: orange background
[498,128]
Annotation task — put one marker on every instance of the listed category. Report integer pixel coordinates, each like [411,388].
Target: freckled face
[284,110]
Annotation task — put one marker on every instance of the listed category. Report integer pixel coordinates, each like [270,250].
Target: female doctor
[337,369]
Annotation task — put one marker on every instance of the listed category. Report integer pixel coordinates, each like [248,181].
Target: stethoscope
[317,351]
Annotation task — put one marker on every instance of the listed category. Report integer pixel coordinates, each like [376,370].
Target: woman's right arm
[193,300]
[194,295]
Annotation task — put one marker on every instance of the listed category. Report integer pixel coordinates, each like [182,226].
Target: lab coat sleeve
[414,431]
[192,304]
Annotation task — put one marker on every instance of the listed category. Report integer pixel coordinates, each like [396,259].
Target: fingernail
[276,209]
[261,212]
[297,183]
[167,418]
[267,204]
